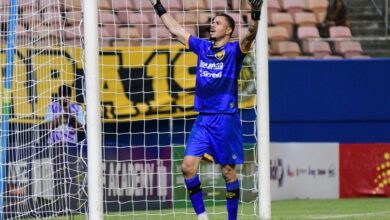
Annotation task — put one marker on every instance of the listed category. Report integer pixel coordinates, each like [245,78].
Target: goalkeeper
[217,130]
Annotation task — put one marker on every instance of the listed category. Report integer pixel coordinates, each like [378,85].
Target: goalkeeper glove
[158,7]
[256,9]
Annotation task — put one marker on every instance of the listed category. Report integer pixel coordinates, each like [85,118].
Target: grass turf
[342,209]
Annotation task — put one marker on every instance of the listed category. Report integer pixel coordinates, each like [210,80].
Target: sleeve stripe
[187,41]
[242,49]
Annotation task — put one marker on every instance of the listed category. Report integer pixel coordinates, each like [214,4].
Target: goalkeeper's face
[219,28]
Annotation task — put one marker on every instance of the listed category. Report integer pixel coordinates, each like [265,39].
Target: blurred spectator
[64,118]
[337,15]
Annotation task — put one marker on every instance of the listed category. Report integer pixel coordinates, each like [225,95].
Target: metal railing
[386,17]
[383,13]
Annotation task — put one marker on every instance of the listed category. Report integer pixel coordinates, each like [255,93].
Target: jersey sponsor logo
[211,66]
[220,55]
[207,74]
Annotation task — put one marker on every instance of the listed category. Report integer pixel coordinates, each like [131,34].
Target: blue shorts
[219,135]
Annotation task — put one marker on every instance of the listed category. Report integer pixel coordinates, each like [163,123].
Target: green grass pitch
[340,209]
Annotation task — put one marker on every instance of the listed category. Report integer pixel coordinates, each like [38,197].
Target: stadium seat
[41,31]
[173,5]
[21,31]
[144,30]
[73,17]
[284,20]
[307,32]
[318,49]
[194,5]
[130,18]
[273,7]
[205,17]
[52,15]
[106,17]
[27,4]
[349,48]
[360,57]
[4,14]
[277,33]
[123,5]
[186,18]
[305,58]
[217,5]
[105,4]
[105,42]
[193,30]
[319,7]
[71,5]
[142,5]
[141,21]
[5,4]
[240,5]
[293,6]
[305,19]
[31,17]
[237,17]
[333,57]
[159,32]
[72,32]
[44,41]
[129,32]
[43,4]
[286,48]
[274,57]
[72,42]
[239,32]
[340,32]
[154,18]
[108,32]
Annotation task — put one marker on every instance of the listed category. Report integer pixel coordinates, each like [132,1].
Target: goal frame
[90,9]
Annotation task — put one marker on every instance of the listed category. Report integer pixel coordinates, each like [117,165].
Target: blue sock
[196,194]
[232,198]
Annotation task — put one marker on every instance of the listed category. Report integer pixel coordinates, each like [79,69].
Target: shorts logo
[220,55]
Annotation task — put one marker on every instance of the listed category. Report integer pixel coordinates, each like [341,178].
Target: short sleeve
[240,52]
[194,44]
[49,113]
[80,115]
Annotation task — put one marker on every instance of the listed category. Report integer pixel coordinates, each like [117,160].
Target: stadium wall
[330,125]
[330,101]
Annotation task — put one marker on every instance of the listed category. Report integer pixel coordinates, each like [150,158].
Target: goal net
[147,92]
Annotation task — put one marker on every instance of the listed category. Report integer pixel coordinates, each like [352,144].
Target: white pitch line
[349,215]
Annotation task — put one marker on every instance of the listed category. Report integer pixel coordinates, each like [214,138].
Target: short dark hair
[229,20]
[64,91]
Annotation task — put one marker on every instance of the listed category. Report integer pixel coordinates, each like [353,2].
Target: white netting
[147,91]
[45,169]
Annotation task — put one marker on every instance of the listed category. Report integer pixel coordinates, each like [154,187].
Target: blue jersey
[217,75]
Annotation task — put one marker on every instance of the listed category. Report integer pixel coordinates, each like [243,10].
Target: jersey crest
[220,55]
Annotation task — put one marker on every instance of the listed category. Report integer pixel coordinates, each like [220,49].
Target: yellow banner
[137,83]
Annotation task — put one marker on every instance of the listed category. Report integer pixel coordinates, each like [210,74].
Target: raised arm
[172,25]
[247,40]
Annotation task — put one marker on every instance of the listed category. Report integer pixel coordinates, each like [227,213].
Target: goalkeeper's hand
[158,7]
[256,8]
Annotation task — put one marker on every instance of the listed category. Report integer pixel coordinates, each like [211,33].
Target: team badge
[220,55]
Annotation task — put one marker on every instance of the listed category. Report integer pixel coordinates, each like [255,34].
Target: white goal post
[101,106]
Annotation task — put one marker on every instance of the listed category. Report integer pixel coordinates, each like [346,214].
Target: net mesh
[147,92]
